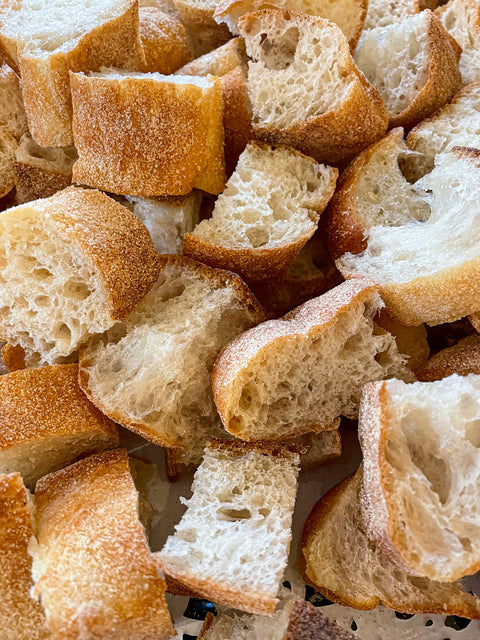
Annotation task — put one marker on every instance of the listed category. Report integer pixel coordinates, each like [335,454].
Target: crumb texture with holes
[461,18]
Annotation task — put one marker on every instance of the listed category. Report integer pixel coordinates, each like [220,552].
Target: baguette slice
[305,88]
[296,620]
[461,18]
[39,172]
[12,113]
[219,61]
[455,125]
[71,265]
[164,41]
[22,617]
[231,545]
[421,74]
[294,375]
[174,138]
[347,568]
[44,40]
[428,270]
[349,15]
[92,567]
[47,422]
[420,444]
[151,373]
[269,209]
[463,358]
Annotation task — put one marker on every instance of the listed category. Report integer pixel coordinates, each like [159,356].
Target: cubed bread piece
[381,13]
[44,40]
[414,64]
[305,88]
[151,373]
[12,112]
[219,61]
[164,41]
[148,134]
[231,545]
[461,18]
[269,209]
[39,172]
[347,568]
[420,444]
[204,33]
[167,219]
[349,15]
[294,375]
[92,567]
[455,125]
[428,268]
[22,617]
[70,266]
[463,358]
[47,422]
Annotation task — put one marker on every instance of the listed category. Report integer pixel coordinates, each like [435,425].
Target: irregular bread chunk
[463,358]
[231,545]
[219,61]
[8,147]
[381,13]
[461,18]
[164,41]
[204,33]
[12,112]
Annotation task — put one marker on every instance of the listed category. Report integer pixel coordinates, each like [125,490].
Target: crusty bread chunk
[381,13]
[372,191]
[164,41]
[47,422]
[305,88]
[8,146]
[167,219]
[204,33]
[269,209]
[414,64]
[237,116]
[151,373]
[461,18]
[349,569]
[92,567]
[349,15]
[411,341]
[428,269]
[22,617]
[455,125]
[420,444]
[44,40]
[12,112]
[295,620]
[148,134]
[70,265]
[219,61]
[462,358]
[231,545]
[294,375]
[39,172]
[166,6]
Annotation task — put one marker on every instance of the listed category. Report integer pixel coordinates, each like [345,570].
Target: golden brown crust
[22,617]
[306,622]
[218,62]
[13,357]
[462,359]
[164,41]
[148,137]
[411,341]
[237,116]
[205,33]
[97,572]
[34,182]
[45,80]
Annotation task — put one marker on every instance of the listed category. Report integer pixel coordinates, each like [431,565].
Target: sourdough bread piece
[381,13]
[164,41]
[268,211]
[231,545]
[455,125]
[43,41]
[22,617]
[427,270]
[305,88]
[461,18]
[151,373]
[92,567]
[349,569]
[12,113]
[148,134]
[47,422]
[463,358]
[39,172]
[294,375]
[420,448]
[70,265]
[414,65]
[349,15]
[204,33]
[372,191]
[167,219]
[219,61]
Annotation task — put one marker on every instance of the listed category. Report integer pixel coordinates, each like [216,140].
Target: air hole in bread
[233,515]
[279,53]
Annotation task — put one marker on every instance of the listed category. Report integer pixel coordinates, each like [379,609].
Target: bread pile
[230,227]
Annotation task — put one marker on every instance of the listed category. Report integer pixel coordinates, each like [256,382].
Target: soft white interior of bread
[154,368]
[230,625]
[395,59]
[298,69]
[59,159]
[12,113]
[269,200]
[236,531]
[119,74]
[291,390]
[448,238]
[51,296]
[432,457]
[381,13]
[460,19]
[207,5]
[167,222]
